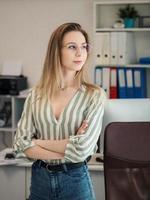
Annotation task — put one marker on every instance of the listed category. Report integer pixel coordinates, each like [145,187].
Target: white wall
[26,25]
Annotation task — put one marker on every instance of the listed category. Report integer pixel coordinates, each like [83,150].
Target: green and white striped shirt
[38,119]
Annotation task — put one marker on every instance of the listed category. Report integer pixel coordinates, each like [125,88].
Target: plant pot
[129,22]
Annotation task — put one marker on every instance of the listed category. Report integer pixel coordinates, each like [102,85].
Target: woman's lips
[77,62]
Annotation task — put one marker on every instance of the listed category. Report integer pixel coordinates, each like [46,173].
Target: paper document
[11,68]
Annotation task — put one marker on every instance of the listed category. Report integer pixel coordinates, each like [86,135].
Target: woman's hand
[36,141]
[82,128]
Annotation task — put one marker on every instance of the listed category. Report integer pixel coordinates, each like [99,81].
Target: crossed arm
[51,149]
[74,149]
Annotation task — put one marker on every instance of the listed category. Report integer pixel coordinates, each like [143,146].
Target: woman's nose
[78,51]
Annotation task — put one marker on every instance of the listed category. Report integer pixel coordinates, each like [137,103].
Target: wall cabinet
[104,17]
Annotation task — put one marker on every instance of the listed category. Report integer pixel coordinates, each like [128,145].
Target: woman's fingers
[82,128]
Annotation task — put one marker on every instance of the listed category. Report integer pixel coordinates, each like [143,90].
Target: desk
[15,180]
[12,183]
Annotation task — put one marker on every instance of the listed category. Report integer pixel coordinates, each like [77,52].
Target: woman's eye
[72,47]
[84,47]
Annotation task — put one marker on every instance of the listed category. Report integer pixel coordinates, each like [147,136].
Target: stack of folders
[114,48]
[122,82]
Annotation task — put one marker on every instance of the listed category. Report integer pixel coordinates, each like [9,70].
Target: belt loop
[64,167]
[47,167]
[39,163]
[85,162]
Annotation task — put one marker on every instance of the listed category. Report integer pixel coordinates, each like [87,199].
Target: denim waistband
[61,167]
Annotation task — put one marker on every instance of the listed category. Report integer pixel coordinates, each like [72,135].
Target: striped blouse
[38,120]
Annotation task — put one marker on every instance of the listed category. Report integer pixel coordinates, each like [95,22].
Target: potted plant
[129,15]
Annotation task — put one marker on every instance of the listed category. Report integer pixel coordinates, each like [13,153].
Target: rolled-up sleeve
[82,146]
[25,129]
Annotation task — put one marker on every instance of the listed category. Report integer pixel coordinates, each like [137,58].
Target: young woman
[62,120]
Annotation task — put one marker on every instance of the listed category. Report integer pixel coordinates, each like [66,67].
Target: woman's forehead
[74,37]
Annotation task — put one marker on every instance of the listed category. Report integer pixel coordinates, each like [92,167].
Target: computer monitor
[121,110]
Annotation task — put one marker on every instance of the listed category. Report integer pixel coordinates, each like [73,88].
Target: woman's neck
[69,81]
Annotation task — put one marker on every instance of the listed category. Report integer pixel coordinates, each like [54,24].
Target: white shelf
[121,29]
[21,96]
[138,65]
[7,129]
[5,96]
[116,2]
[128,65]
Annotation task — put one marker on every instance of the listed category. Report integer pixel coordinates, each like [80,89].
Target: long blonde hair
[51,79]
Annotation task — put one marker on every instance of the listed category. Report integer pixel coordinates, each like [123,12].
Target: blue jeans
[72,184]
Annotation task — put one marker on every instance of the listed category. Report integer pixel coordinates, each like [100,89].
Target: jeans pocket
[79,172]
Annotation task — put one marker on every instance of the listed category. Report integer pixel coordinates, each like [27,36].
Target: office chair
[127,161]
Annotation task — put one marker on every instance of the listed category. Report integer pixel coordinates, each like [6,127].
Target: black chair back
[127,161]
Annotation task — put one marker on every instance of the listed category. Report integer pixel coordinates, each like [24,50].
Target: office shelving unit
[105,13]
[16,106]
[104,16]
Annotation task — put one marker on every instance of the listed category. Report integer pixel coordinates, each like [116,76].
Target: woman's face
[74,51]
